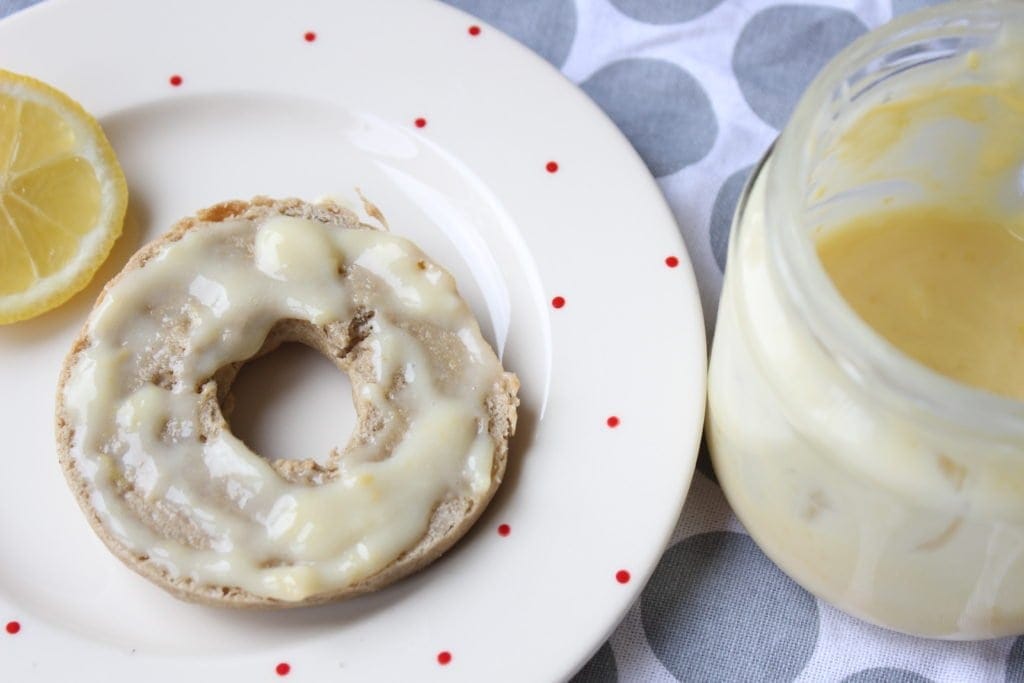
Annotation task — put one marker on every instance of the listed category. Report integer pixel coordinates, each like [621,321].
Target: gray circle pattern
[903,6]
[600,669]
[722,212]
[781,50]
[548,27]
[885,674]
[661,12]
[10,6]
[1015,662]
[700,631]
[661,108]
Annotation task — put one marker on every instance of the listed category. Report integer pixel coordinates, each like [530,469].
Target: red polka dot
[552,167]
[504,529]
[13,627]
[283,669]
[671,261]
[175,80]
[444,657]
[558,302]
[474,30]
[622,576]
[613,421]
[420,122]
[310,36]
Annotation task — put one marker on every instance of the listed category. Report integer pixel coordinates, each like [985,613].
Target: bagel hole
[292,404]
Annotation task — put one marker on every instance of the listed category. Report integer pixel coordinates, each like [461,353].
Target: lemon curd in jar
[944,286]
[941,277]
[866,385]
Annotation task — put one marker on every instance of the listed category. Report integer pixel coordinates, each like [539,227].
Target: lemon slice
[62,197]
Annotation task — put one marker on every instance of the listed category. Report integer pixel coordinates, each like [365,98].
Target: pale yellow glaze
[271,537]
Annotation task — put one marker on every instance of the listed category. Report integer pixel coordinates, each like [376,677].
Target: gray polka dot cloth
[701,88]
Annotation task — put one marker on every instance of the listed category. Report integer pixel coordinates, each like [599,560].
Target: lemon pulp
[62,197]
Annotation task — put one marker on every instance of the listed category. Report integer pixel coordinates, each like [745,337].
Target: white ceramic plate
[578,276]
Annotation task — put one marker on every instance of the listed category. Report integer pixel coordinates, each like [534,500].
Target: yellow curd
[943,280]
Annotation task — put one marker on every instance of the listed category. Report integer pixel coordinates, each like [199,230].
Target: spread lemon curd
[871,329]
[213,511]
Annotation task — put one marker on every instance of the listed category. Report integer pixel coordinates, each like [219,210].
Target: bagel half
[341,342]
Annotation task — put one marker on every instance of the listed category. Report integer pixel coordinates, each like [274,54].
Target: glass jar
[882,487]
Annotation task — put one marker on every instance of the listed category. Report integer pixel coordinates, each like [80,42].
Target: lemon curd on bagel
[142,399]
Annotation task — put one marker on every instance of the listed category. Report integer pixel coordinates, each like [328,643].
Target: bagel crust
[143,396]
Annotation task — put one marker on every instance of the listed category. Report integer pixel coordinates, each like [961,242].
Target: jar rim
[865,356]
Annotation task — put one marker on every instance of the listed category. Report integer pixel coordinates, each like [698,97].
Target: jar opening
[807,190]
